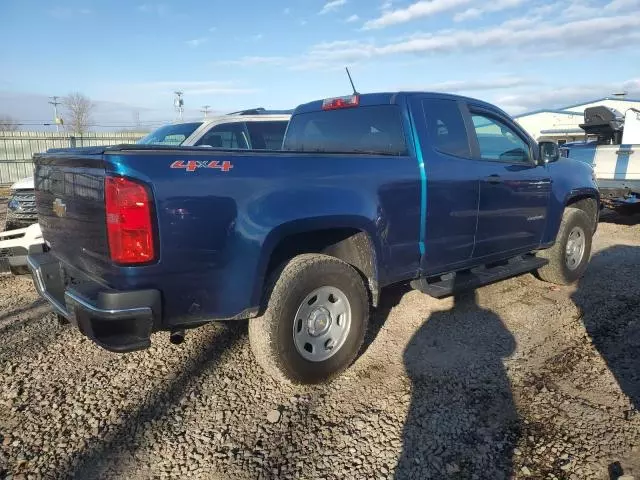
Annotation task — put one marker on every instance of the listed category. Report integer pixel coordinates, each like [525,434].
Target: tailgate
[70,202]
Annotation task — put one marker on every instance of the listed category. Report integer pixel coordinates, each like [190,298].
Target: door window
[499,142]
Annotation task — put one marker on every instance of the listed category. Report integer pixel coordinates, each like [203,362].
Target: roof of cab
[231,118]
[386,98]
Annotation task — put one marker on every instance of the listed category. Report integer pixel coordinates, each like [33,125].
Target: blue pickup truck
[369,190]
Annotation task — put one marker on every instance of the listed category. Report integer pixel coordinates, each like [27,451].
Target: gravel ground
[519,380]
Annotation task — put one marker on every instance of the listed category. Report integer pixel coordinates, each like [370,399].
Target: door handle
[493,179]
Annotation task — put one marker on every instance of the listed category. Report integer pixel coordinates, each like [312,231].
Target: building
[563,125]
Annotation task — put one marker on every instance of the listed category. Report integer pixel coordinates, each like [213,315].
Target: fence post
[72,141]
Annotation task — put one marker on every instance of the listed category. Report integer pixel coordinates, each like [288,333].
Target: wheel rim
[576,244]
[322,323]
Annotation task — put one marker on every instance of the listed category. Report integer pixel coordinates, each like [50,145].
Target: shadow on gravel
[629,216]
[462,422]
[609,298]
[27,317]
[19,311]
[389,298]
[93,461]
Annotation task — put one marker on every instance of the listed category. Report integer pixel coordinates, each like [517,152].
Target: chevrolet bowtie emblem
[59,208]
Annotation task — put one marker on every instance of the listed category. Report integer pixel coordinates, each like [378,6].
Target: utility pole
[55,104]
[205,110]
[178,103]
[136,120]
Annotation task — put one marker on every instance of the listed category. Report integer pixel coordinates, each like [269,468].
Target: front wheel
[314,322]
[569,256]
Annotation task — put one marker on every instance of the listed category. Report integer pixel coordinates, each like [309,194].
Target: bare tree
[78,110]
[8,124]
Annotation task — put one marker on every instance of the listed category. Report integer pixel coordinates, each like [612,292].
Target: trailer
[612,148]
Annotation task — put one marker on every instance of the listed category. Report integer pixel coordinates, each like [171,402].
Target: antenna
[355,92]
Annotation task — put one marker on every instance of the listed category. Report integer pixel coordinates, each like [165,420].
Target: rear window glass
[170,134]
[266,135]
[375,130]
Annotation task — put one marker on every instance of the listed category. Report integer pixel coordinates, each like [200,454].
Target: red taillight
[341,102]
[129,228]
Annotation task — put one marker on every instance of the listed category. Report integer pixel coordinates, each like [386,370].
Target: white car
[21,209]
[15,245]
[255,129]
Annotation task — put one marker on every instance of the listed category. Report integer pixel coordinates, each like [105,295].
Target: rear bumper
[117,321]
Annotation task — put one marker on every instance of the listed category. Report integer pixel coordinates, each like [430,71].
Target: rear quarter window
[266,135]
[446,128]
[371,129]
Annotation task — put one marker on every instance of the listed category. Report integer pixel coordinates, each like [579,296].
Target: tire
[558,270]
[21,270]
[290,295]
[9,225]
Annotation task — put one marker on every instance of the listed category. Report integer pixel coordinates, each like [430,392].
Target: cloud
[546,9]
[257,36]
[586,8]
[287,11]
[352,18]
[456,86]
[192,87]
[213,29]
[560,97]
[196,42]
[593,34]
[495,6]
[524,37]
[65,13]
[617,5]
[159,9]
[421,9]
[331,6]
[253,61]
[386,5]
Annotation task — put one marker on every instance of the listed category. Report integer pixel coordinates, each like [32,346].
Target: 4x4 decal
[193,165]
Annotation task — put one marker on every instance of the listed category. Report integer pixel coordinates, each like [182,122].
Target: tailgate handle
[493,179]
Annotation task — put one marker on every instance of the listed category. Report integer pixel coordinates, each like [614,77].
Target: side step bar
[446,285]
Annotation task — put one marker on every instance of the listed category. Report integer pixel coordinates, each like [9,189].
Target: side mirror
[549,152]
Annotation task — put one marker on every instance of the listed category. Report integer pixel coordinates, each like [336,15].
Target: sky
[129,56]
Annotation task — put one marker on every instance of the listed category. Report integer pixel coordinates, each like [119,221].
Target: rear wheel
[569,256]
[315,320]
